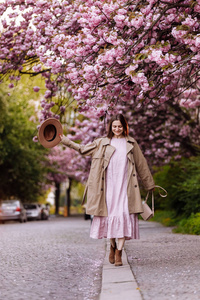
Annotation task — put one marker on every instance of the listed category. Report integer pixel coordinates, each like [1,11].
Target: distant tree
[22,171]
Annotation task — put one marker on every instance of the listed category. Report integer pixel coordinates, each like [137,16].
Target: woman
[113,195]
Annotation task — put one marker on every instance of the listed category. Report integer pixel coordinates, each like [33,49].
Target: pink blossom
[185,131]
[197,8]
[109,8]
[140,78]
[4,23]
[11,85]
[119,19]
[95,20]
[190,22]
[37,68]
[42,25]
[197,41]
[69,53]
[178,34]
[184,102]
[73,74]
[177,144]
[137,22]
[197,102]
[47,94]
[36,89]
[35,139]
[192,104]
[131,69]
[62,109]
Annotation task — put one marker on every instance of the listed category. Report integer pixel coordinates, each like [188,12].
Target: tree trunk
[68,197]
[57,197]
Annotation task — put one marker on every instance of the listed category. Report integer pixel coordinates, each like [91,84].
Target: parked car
[33,211]
[36,211]
[12,210]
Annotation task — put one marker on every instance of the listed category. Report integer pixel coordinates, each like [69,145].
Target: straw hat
[49,131]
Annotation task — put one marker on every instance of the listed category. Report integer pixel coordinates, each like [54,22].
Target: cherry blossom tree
[171,135]
[138,57]
[141,50]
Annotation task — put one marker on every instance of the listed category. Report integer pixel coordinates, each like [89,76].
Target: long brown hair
[118,117]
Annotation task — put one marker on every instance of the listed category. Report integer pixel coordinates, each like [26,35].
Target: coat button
[101,189]
[134,175]
[102,178]
[133,163]
[135,185]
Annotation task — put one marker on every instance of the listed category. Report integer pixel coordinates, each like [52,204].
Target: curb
[118,282]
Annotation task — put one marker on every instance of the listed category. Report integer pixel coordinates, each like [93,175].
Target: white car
[33,211]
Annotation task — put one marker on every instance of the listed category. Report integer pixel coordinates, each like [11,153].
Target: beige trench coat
[101,152]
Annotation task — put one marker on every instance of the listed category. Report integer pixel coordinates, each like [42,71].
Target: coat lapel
[109,150]
[129,147]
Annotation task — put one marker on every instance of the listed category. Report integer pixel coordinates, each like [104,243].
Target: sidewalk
[166,265]
[118,282]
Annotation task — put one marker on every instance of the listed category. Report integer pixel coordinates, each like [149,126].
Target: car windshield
[30,206]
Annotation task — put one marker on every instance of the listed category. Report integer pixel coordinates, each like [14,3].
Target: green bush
[182,181]
[190,225]
[167,218]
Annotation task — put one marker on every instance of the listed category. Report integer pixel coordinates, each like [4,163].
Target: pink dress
[119,222]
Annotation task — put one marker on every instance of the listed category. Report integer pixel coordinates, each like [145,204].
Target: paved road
[52,259]
[56,259]
[166,265]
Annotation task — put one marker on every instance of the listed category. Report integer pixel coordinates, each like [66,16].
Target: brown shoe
[112,254]
[118,258]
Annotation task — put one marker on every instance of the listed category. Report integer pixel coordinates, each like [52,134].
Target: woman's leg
[121,242]
[112,242]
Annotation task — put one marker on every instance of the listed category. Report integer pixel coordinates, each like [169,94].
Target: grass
[190,225]
[167,218]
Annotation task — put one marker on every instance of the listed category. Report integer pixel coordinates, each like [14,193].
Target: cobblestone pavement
[52,259]
[166,266]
